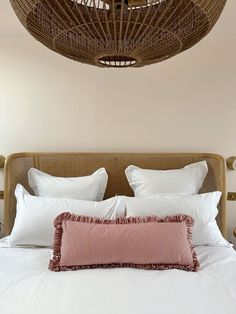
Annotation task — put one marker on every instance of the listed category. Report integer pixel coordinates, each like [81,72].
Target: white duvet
[28,287]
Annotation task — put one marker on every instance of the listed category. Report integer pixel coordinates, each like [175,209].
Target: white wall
[186,104]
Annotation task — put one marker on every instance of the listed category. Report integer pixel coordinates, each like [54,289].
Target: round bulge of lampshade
[118,33]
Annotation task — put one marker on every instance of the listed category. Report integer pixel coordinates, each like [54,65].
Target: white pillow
[146,182]
[35,215]
[202,208]
[91,188]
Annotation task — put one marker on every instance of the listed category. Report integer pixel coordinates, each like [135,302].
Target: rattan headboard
[79,164]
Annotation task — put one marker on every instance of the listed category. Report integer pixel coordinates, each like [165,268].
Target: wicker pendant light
[118,33]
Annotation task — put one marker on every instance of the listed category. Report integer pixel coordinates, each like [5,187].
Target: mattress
[27,286]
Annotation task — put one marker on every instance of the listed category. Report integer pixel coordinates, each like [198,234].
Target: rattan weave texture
[118,33]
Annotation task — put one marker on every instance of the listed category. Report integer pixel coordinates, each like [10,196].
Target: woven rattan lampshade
[118,33]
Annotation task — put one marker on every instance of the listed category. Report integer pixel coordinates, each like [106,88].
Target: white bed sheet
[28,287]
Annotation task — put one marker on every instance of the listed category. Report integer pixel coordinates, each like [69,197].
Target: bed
[27,286]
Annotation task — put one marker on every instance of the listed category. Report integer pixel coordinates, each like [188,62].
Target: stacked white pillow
[201,207]
[91,188]
[35,215]
[146,182]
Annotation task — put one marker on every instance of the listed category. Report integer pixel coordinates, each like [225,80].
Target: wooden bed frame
[80,164]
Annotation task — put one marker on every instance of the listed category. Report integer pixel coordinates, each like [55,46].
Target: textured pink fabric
[152,243]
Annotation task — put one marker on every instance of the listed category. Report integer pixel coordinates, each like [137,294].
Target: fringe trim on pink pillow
[54,263]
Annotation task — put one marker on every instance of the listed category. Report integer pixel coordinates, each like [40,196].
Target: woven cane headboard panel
[80,164]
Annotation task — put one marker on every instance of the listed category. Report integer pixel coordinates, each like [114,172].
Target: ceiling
[10,25]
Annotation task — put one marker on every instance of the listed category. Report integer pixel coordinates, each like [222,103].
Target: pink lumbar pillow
[149,243]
